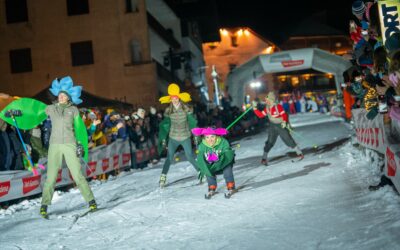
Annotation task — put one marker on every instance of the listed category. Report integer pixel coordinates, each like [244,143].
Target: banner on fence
[103,159]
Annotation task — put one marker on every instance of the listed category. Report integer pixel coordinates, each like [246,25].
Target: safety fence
[375,135]
[103,159]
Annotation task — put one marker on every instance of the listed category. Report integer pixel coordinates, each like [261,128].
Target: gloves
[79,150]
[284,124]
[212,157]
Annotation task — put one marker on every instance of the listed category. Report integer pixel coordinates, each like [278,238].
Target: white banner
[103,159]
[370,133]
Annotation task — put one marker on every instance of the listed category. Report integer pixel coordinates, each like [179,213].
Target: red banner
[4,188]
[391,162]
[116,161]
[292,63]
[91,168]
[125,159]
[30,183]
[105,164]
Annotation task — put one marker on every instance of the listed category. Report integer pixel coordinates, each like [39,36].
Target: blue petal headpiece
[66,85]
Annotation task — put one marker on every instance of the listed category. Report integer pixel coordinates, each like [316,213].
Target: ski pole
[304,138]
[237,119]
[23,144]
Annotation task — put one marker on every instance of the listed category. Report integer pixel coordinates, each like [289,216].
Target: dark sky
[274,19]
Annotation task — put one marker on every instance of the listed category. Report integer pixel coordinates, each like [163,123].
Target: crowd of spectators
[104,126]
[372,82]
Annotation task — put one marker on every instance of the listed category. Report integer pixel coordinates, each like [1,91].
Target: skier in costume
[64,117]
[215,156]
[279,126]
[175,128]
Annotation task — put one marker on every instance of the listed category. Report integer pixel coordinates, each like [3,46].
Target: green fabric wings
[33,113]
[81,135]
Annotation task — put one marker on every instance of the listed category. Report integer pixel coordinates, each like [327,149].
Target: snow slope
[322,202]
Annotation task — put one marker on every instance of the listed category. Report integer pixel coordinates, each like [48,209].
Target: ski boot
[264,162]
[163,180]
[92,206]
[43,212]
[211,192]
[231,189]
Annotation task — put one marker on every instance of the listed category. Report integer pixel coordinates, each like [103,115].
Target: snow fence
[375,135]
[103,159]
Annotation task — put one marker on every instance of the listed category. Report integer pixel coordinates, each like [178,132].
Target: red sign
[105,163]
[4,188]
[116,161]
[30,183]
[91,168]
[292,63]
[391,163]
[139,156]
[59,176]
[125,159]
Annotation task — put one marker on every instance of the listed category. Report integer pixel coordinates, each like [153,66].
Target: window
[82,53]
[16,11]
[131,6]
[20,60]
[77,7]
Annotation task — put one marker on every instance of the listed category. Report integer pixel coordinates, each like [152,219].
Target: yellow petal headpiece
[174,90]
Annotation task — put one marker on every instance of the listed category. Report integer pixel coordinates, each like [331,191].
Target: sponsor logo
[105,163]
[4,188]
[389,16]
[30,183]
[391,163]
[292,63]
[139,155]
[91,168]
[125,159]
[116,161]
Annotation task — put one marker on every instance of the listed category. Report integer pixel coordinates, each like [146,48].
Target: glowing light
[329,76]
[282,78]
[269,50]
[240,32]
[306,76]
[246,32]
[255,84]
[224,32]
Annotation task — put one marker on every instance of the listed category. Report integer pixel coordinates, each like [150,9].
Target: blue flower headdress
[66,85]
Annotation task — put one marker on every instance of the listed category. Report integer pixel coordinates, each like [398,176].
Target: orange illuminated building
[237,46]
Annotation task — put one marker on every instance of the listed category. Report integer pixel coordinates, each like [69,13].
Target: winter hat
[392,43]
[174,91]
[209,131]
[66,85]
[358,8]
[271,97]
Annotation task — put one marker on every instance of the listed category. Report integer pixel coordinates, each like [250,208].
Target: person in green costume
[63,143]
[175,128]
[215,156]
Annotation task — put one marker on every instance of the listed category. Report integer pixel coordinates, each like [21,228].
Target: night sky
[275,19]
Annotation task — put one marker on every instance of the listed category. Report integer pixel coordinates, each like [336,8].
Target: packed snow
[322,202]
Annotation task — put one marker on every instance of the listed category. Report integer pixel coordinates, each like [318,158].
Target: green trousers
[54,163]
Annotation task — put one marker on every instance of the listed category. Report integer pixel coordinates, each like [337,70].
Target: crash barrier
[378,136]
[102,159]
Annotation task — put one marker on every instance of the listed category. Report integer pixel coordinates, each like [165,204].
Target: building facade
[113,48]
[237,46]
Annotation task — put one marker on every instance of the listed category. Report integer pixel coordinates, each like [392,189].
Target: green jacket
[225,154]
[165,126]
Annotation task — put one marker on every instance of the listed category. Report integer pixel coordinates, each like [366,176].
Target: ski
[229,194]
[299,158]
[209,195]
